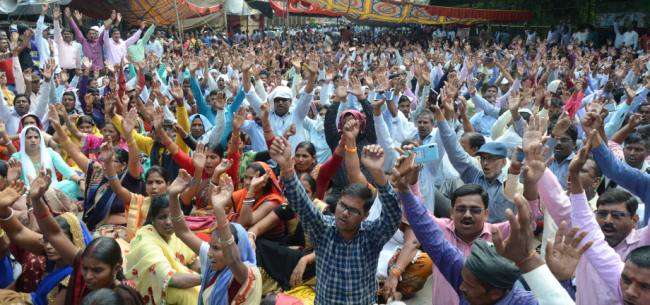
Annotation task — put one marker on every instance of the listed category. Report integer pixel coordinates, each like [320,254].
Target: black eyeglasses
[348,208]
[618,215]
[472,210]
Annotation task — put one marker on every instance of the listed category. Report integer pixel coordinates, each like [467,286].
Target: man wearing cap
[92,46]
[490,176]
[282,115]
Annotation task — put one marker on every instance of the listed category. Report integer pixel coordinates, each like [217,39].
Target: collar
[567,159]
[631,239]
[486,233]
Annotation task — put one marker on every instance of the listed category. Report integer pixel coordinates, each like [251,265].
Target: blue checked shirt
[345,270]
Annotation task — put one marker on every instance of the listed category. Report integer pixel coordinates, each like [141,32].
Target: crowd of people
[305,167]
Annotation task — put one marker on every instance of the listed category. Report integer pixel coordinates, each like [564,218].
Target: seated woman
[158,261]
[305,159]
[260,194]
[297,265]
[104,213]
[136,206]
[95,265]
[82,134]
[228,267]
[51,289]
[35,156]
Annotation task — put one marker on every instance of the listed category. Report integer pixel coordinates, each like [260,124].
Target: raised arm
[312,219]
[182,181]
[50,228]
[17,232]
[72,150]
[220,196]
[106,156]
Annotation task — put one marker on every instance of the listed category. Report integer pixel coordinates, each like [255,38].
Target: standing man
[346,245]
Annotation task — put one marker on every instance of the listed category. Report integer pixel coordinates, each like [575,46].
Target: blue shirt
[632,179]
[345,268]
[256,133]
[469,173]
[449,259]
[561,169]
[484,120]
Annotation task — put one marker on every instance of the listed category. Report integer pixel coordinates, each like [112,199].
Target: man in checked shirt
[347,246]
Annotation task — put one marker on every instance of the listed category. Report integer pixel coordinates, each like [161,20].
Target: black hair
[64,225]
[362,192]
[3,168]
[233,231]
[217,149]
[572,132]
[470,189]
[310,180]
[475,139]
[261,171]
[635,138]
[86,119]
[156,169]
[104,296]
[618,196]
[121,155]
[403,98]
[106,250]
[157,204]
[70,93]
[308,146]
[19,95]
[426,112]
[640,257]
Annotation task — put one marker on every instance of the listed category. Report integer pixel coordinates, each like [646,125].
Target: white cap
[552,86]
[95,28]
[280,92]
[504,81]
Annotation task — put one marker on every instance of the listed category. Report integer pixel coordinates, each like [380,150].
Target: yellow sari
[152,262]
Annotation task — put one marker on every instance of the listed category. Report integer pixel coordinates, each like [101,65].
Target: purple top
[92,50]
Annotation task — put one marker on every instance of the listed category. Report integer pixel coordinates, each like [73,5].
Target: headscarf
[219,294]
[360,117]
[29,171]
[206,123]
[21,125]
[490,267]
[274,195]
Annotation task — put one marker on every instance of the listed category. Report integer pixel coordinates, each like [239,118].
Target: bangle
[249,202]
[228,241]
[531,255]
[250,235]
[223,225]
[178,218]
[114,177]
[11,214]
[2,233]
[396,271]
[43,215]
[350,150]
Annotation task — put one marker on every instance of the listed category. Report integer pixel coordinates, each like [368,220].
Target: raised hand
[519,247]
[280,152]
[535,165]
[405,172]
[66,12]
[257,183]
[106,152]
[40,184]
[238,119]
[562,125]
[78,15]
[222,194]
[180,183]
[56,13]
[223,166]
[290,132]
[14,170]
[130,121]
[49,69]
[376,106]
[563,254]
[199,156]
[372,158]
[11,193]
[534,132]
[53,116]
[351,130]
[158,117]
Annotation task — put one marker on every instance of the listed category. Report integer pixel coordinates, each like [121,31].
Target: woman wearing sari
[296,270]
[228,264]
[35,156]
[103,211]
[95,264]
[158,261]
[136,206]
[51,290]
